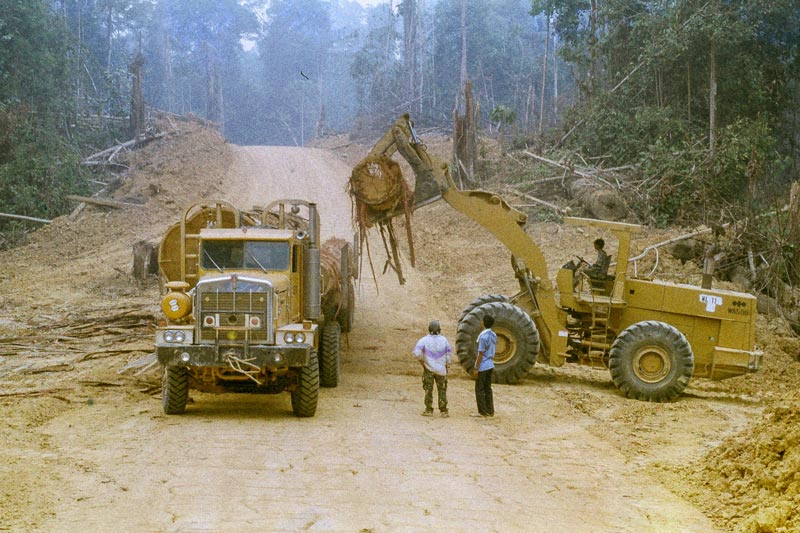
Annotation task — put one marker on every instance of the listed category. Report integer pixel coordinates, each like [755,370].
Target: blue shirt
[487,341]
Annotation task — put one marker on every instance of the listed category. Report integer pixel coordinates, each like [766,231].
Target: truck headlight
[175,336]
[288,338]
[300,337]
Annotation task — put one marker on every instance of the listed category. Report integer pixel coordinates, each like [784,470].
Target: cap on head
[434,327]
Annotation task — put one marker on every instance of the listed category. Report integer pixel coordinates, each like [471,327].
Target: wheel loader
[252,303]
[653,336]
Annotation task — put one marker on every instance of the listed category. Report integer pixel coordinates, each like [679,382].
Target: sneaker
[445,414]
[427,413]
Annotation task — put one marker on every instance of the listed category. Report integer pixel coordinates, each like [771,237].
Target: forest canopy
[699,98]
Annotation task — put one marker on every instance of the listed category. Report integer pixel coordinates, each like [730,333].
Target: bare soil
[84,445]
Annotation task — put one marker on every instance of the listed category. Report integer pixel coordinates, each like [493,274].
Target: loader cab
[611,285]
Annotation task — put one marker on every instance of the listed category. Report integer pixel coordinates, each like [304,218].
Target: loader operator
[598,269]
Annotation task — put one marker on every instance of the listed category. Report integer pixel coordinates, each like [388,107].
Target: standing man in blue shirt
[484,367]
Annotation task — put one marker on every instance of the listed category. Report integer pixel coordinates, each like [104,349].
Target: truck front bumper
[211,355]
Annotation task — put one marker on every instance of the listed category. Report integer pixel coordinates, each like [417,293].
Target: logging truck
[653,336]
[252,302]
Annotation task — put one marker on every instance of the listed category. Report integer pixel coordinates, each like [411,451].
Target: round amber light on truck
[176,305]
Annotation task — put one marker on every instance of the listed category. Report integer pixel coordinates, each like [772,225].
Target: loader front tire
[174,389]
[306,395]
[517,340]
[329,355]
[480,300]
[651,361]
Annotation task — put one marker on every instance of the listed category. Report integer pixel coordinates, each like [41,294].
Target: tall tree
[294,50]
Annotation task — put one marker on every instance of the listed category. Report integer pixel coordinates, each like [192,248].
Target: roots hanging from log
[380,193]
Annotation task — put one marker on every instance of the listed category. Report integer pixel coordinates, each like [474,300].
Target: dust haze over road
[367,461]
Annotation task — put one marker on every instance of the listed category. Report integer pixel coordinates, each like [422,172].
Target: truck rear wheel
[480,300]
[651,361]
[174,389]
[329,355]
[517,340]
[306,395]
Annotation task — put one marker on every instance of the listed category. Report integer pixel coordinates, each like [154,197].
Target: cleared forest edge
[83,444]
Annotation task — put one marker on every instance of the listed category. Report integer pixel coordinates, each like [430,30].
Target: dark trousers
[483,392]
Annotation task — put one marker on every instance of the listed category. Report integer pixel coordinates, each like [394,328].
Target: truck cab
[241,302]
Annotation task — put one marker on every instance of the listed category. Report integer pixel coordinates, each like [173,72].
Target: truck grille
[234,310]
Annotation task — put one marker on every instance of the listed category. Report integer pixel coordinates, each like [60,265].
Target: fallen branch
[35,392]
[62,367]
[99,354]
[554,207]
[101,202]
[91,383]
[23,217]
[573,170]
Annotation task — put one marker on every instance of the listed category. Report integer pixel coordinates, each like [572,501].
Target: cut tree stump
[145,259]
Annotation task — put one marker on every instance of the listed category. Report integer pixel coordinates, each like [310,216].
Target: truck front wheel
[517,340]
[329,355]
[651,361]
[174,389]
[306,395]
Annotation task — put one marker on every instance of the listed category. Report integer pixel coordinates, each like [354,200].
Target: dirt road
[84,448]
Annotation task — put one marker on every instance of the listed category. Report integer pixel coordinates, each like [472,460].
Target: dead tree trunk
[409,10]
[793,236]
[544,77]
[214,104]
[137,115]
[465,137]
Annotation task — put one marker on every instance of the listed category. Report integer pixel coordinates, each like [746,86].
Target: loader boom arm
[502,220]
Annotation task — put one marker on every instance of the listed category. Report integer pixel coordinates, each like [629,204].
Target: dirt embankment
[83,445]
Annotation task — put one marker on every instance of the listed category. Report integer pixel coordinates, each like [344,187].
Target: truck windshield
[258,255]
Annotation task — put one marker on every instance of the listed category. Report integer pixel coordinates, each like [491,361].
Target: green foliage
[37,170]
[685,184]
[34,59]
[620,131]
[503,115]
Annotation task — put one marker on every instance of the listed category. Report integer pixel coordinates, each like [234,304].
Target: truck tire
[329,355]
[306,395]
[651,361]
[174,389]
[480,300]
[517,340]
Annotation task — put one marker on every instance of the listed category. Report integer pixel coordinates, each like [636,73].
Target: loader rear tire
[174,389]
[517,340]
[480,300]
[306,395]
[651,361]
[329,355]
